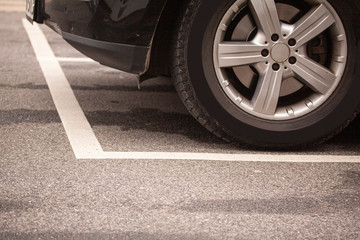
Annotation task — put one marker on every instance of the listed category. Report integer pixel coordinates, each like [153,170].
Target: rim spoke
[266,16]
[316,21]
[233,54]
[314,75]
[274,52]
[267,92]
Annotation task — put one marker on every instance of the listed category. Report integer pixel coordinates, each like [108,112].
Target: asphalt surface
[46,193]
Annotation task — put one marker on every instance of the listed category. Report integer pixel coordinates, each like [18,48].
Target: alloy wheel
[279,60]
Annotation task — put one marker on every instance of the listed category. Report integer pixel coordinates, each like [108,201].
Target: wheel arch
[159,54]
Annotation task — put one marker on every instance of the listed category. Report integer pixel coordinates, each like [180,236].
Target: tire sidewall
[318,124]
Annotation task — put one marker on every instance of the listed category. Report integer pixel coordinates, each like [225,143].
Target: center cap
[280,52]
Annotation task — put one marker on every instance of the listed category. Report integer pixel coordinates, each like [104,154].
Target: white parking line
[80,134]
[84,142]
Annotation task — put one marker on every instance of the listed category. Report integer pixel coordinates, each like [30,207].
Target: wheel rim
[267,63]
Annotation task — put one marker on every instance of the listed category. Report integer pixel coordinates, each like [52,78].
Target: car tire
[301,85]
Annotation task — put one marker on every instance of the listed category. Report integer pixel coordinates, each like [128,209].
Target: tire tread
[181,77]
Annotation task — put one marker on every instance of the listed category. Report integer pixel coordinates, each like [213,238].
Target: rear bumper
[115,33]
[129,58]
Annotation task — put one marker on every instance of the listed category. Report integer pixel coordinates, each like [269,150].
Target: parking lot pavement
[46,192]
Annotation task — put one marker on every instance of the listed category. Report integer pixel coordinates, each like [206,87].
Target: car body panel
[131,22]
[116,33]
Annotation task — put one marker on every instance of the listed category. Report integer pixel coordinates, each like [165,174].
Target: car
[270,73]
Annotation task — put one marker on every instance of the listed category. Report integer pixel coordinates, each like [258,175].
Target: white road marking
[84,142]
[228,157]
[78,129]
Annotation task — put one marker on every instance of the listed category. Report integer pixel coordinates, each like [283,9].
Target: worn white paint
[78,129]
